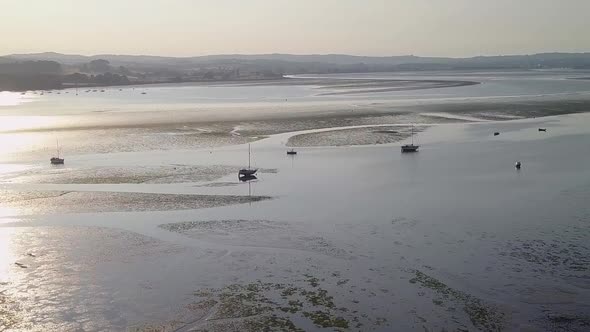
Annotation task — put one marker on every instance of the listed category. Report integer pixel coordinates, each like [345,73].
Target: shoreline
[466,111]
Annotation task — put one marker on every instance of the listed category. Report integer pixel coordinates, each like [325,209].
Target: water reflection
[8,98]
[16,123]
[9,211]
[248,179]
[6,253]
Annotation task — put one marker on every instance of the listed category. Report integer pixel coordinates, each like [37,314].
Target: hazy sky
[366,27]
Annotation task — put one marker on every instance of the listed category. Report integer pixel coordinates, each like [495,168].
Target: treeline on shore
[45,75]
[49,75]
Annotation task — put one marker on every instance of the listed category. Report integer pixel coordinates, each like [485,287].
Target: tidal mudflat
[349,234]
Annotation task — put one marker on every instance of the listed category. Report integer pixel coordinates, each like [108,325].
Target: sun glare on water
[6,252]
[17,123]
[22,123]
[8,98]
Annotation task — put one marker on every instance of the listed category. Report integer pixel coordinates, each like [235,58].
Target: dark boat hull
[56,161]
[247,172]
[246,178]
[410,148]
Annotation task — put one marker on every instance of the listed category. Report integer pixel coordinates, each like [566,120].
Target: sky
[457,28]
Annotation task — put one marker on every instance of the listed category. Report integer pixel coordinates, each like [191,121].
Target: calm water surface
[364,220]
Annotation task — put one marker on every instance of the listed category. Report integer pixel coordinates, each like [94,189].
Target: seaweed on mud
[320,298]
[552,256]
[245,301]
[294,306]
[380,321]
[271,323]
[567,322]
[219,226]
[325,319]
[289,291]
[342,282]
[262,306]
[482,316]
[313,281]
[206,304]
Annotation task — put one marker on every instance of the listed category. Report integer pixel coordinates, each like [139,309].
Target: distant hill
[342,59]
[55,70]
[542,60]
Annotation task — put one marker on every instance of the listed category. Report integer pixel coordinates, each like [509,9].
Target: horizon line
[287,54]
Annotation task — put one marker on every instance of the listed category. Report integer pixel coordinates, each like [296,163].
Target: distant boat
[542,129]
[248,171]
[410,147]
[57,160]
[496,133]
[291,152]
[143,93]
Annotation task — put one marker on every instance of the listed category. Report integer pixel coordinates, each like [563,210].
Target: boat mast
[57,146]
[248,155]
[412,134]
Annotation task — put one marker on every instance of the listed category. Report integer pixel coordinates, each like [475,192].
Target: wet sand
[513,257]
[211,135]
[120,175]
[85,202]
[355,136]
[357,237]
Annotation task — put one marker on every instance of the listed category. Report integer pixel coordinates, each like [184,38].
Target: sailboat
[248,171]
[57,160]
[410,147]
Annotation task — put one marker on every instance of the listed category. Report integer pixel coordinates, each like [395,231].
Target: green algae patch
[289,291]
[325,319]
[313,281]
[260,306]
[271,323]
[320,298]
[482,316]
